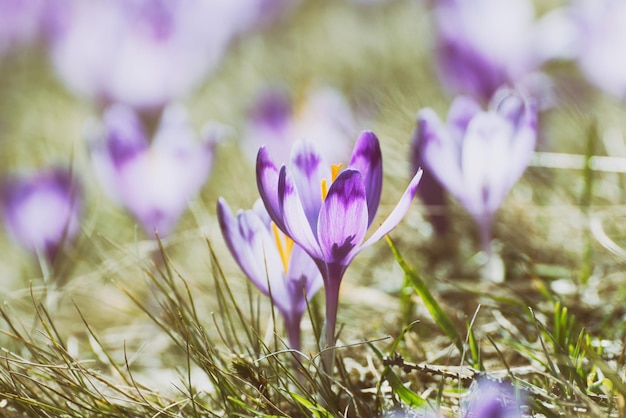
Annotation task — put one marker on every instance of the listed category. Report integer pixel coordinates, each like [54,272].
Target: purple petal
[272,110]
[295,221]
[125,136]
[254,250]
[490,398]
[398,212]
[308,169]
[303,278]
[461,112]
[343,218]
[440,152]
[267,183]
[430,191]
[486,163]
[43,210]
[367,159]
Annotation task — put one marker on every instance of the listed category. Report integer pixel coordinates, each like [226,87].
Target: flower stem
[332,302]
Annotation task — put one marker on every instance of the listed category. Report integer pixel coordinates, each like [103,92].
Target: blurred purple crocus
[324,118]
[482,45]
[142,53]
[600,32]
[489,398]
[328,212]
[478,155]
[281,269]
[153,180]
[42,210]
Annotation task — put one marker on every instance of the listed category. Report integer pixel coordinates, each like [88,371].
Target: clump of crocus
[323,117]
[153,180]
[328,211]
[143,53]
[482,45]
[276,265]
[479,154]
[42,210]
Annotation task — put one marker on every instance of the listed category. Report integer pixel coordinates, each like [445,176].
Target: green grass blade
[439,316]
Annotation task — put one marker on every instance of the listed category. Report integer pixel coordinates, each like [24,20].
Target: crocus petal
[302,279]
[254,250]
[484,163]
[295,221]
[343,218]
[308,169]
[267,183]
[440,153]
[125,135]
[461,112]
[368,160]
[522,115]
[430,191]
[397,213]
[42,210]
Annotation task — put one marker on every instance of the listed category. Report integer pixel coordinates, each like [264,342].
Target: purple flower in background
[153,180]
[143,53]
[601,31]
[324,118]
[21,22]
[281,269]
[42,210]
[478,155]
[430,191]
[328,212]
[488,398]
[482,45]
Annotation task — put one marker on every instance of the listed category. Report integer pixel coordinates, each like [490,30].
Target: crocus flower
[601,30]
[478,155]
[42,210]
[328,212]
[482,45]
[281,269]
[154,181]
[324,118]
[489,398]
[143,53]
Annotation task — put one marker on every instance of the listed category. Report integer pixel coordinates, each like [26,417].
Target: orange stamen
[334,172]
[284,248]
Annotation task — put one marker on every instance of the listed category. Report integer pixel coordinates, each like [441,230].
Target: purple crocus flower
[600,33]
[489,398]
[478,155]
[42,210]
[143,53]
[281,269]
[328,212]
[324,117]
[482,45]
[154,181]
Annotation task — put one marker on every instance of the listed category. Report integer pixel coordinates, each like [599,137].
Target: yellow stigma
[334,172]
[284,248]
